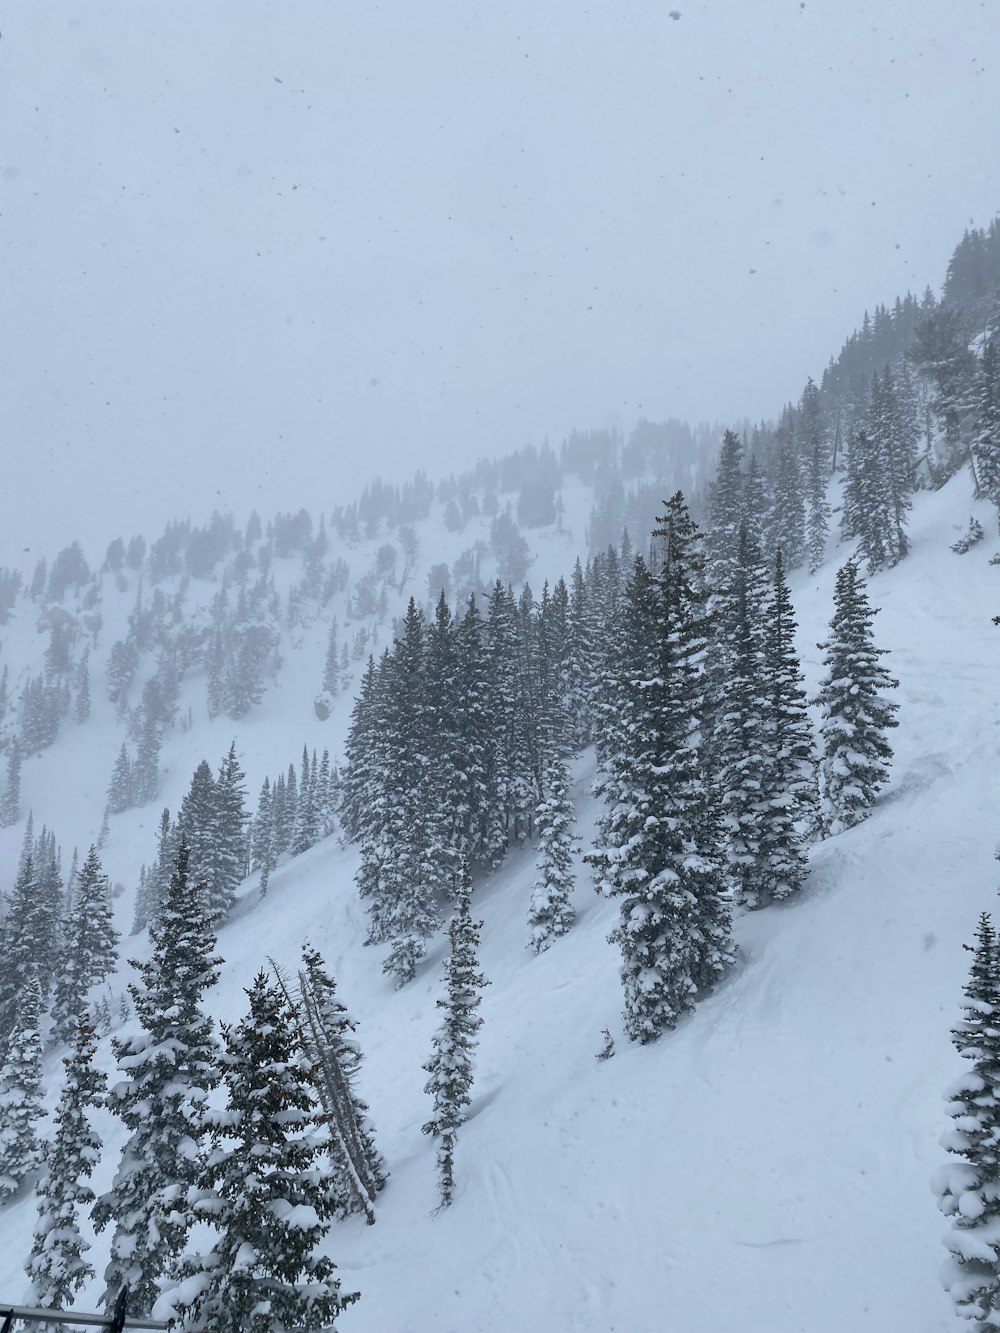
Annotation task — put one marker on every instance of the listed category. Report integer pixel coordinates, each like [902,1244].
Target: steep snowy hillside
[765,1167]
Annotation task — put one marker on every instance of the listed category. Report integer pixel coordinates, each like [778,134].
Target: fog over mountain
[251,249]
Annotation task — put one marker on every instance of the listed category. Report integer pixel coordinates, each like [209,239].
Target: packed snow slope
[765,1167]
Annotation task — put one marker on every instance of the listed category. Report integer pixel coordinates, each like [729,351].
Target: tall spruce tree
[196,825]
[21,1109]
[659,833]
[363,809]
[229,829]
[787,518]
[474,727]
[89,951]
[986,441]
[412,869]
[816,473]
[793,807]
[450,1066]
[154,891]
[551,912]
[446,788]
[261,1189]
[24,944]
[767,764]
[741,740]
[855,711]
[968,1185]
[121,788]
[892,433]
[331,666]
[725,510]
[56,1266]
[10,802]
[262,839]
[169,1066]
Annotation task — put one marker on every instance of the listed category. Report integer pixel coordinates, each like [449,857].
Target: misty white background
[254,253]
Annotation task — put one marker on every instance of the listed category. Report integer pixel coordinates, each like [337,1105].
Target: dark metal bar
[33,1315]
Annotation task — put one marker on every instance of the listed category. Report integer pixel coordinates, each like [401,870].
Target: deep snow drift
[765,1167]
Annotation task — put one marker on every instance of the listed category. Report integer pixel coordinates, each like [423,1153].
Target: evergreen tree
[411,869]
[326,798]
[726,514]
[881,476]
[742,740]
[154,892]
[50,906]
[893,437]
[449,826]
[968,1188]
[307,822]
[89,952]
[986,442]
[81,707]
[168,1068]
[787,519]
[513,794]
[331,669]
[261,1190]
[290,809]
[474,727]
[228,859]
[450,1067]
[856,714]
[754,511]
[279,805]
[816,473]
[197,826]
[56,1266]
[793,809]
[43,704]
[24,945]
[262,836]
[121,788]
[941,351]
[21,1095]
[27,842]
[659,832]
[580,661]
[10,802]
[767,775]
[551,912]
[146,770]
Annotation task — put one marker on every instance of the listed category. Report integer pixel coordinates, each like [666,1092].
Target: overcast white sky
[253,252]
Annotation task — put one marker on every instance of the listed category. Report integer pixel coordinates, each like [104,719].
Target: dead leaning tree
[333,1088]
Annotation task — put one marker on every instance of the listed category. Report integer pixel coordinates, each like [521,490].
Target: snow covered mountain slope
[763,1168]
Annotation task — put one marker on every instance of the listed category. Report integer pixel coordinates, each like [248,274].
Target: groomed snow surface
[765,1168]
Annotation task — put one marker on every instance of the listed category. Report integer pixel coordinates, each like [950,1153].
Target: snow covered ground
[765,1167]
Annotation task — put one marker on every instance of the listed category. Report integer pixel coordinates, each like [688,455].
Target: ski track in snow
[763,1168]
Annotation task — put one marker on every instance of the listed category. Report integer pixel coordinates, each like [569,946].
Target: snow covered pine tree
[968,1189]
[261,1190]
[450,1067]
[56,1265]
[856,714]
[21,1106]
[168,1068]
[551,913]
[660,832]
